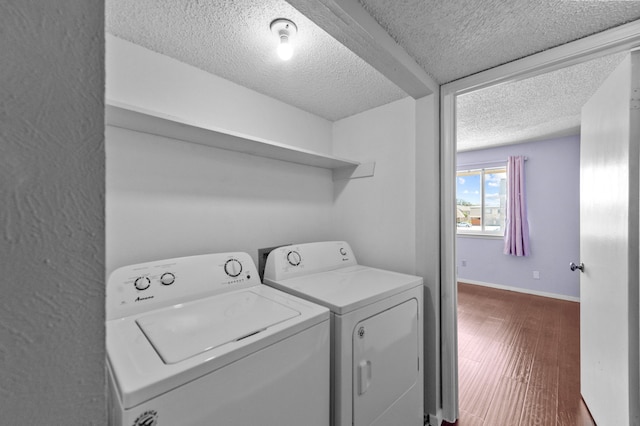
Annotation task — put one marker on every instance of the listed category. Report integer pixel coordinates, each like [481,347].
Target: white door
[609,193]
[385,368]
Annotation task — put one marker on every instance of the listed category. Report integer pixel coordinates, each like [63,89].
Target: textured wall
[52,213]
[553,197]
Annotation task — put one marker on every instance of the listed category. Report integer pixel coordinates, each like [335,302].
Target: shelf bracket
[354,172]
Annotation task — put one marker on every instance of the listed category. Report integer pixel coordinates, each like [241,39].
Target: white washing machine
[198,341]
[376,331]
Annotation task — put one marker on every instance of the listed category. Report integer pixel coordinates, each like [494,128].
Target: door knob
[573,266]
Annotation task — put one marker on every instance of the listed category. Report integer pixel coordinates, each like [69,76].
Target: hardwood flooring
[518,359]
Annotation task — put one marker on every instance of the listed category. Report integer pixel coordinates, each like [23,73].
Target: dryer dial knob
[142,283]
[167,278]
[294,258]
[233,267]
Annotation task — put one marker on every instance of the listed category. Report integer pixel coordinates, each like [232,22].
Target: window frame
[481,169]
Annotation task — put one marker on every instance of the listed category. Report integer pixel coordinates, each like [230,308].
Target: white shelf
[140,120]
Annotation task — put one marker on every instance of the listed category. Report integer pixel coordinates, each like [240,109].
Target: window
[481,197]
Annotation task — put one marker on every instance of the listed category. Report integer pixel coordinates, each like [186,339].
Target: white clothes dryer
[376,331]
[198,341]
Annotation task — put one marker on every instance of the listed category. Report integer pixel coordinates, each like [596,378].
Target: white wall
[52,184]
[376,215]
[141,77]
[167,198]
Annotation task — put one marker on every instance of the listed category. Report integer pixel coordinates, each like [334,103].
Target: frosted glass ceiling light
[284,29]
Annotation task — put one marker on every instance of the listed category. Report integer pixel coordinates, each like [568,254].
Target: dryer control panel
[151,285]
[303,259]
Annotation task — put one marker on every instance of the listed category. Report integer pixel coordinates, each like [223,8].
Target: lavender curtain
[516,237]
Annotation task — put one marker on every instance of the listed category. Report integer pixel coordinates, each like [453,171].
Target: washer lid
[182,331]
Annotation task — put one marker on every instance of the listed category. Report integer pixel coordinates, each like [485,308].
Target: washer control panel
[302,259]
[233,267]
[167,278]
[294,258]
[142,283]
[151,285]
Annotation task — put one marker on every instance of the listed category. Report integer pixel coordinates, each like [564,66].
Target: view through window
[481,198]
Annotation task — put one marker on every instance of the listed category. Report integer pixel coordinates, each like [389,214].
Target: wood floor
[518,359]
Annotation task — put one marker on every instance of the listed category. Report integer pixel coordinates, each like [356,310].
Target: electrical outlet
[536,275]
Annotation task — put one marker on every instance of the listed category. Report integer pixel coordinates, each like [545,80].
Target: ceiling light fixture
[284,29]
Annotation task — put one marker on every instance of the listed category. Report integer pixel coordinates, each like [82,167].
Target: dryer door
[385,366]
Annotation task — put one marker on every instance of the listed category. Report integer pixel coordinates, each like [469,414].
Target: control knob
[294,258]
[142,283]
[167,278]
[233,267]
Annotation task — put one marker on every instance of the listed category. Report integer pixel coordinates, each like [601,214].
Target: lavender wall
[553,187]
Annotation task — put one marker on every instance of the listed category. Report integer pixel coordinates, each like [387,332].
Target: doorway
[545,111]
[610,42]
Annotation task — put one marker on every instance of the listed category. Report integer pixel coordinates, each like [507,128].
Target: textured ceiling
[545,105]
[232,39]
[448,39]
[456,38]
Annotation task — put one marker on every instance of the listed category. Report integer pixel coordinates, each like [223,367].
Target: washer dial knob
[294,258]
[142,283]
[343,251]
[167,278]
[233,267]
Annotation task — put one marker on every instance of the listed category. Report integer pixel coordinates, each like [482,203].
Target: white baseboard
[433,419]
[521,290]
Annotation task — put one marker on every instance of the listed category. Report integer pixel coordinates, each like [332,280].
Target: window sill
[486,236]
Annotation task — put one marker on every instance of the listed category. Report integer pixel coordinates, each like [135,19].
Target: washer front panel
[286,383]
